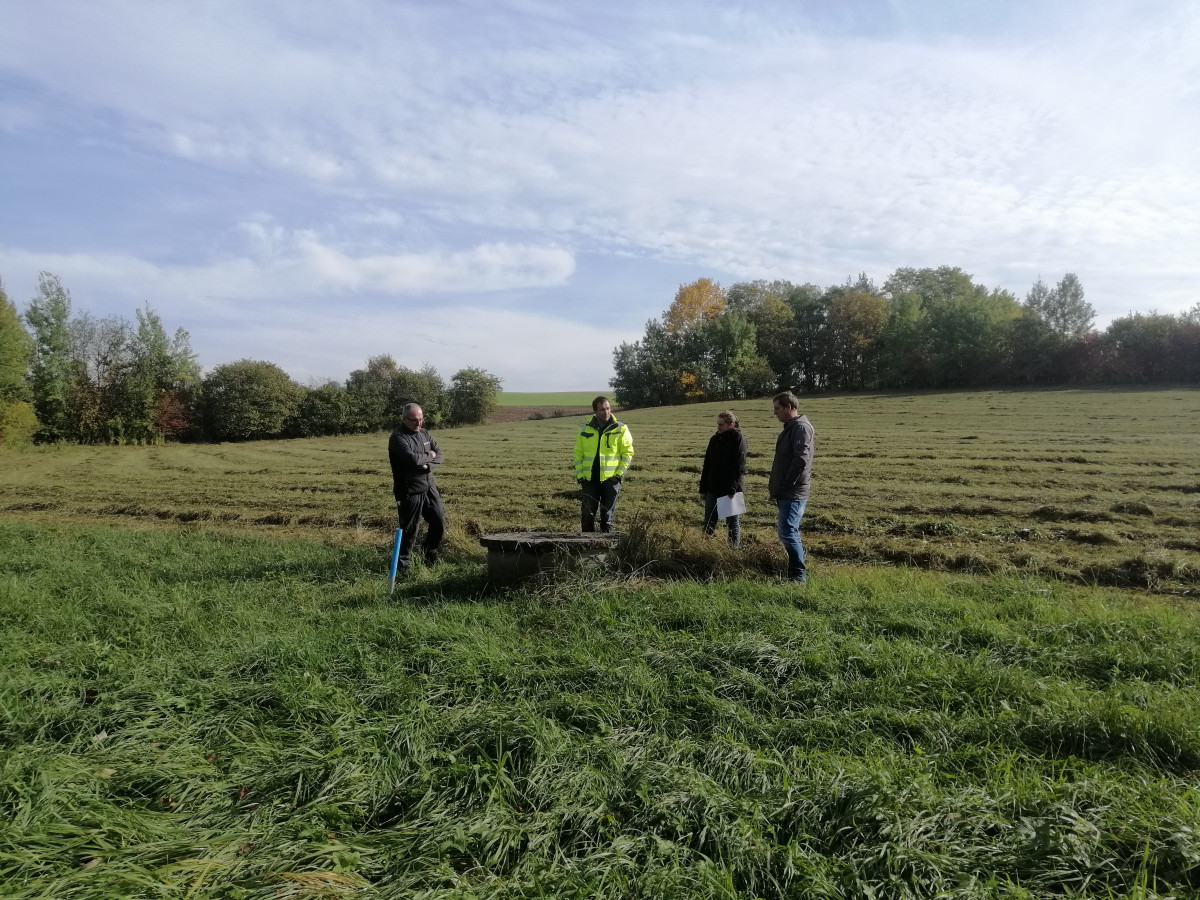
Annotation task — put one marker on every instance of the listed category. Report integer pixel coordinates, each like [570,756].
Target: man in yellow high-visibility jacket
[603,452]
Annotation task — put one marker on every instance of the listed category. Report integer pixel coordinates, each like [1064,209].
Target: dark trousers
[599,497]
[710,520]
[412,509]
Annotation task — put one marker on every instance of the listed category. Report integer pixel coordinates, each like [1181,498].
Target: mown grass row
[197,714]
[1096,487]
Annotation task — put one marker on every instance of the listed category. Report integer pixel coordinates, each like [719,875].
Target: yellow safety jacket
[612,441]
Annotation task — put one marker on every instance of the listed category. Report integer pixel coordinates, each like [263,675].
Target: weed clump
[652,546]
[1132,508]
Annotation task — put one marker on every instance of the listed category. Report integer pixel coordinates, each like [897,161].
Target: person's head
[787,407]
[726,421]
[414,416]
[602,408]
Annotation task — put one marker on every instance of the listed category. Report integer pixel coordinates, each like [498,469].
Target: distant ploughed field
[524,413]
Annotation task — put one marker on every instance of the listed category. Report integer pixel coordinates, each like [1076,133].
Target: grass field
[196,714]
[205,691]
[1097,487]
[551,398]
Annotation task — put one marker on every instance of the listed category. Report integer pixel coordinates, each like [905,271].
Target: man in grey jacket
[791,477]
[414,454]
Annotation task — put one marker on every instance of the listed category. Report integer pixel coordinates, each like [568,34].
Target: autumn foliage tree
[18,423]
[923,328]
[696,303]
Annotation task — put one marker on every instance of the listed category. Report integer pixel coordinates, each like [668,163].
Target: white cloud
[473,148]
[279,310]
[290,268]
[530,352]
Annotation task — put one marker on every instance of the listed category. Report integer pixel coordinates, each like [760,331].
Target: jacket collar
[611,423]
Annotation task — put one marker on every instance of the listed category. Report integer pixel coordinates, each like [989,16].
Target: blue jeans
[790,514]
[710,520]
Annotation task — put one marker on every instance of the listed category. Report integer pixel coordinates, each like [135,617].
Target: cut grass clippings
[196,714]
[1095,487]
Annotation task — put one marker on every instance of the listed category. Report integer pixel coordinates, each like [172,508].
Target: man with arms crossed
[414,454]
[791,474]
[603,452]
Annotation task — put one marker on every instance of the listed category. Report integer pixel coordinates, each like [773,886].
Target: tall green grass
[195,714]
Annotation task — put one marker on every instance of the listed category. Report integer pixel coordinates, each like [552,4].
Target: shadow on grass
[461,583]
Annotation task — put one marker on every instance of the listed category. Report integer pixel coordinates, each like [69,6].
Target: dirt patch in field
[522,413]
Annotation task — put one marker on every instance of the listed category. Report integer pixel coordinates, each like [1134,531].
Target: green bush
[249,399]
[18,424]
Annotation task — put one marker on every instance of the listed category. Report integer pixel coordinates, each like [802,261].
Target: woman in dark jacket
[723,473]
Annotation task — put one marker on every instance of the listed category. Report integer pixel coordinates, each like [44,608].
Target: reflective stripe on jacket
[612,441]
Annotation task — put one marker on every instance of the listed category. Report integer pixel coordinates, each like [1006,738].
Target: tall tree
[648,372]
[966,325]
[1033,349]
[809,312]
[855,323]
[424,387]
[764,303]
[18,424]
[1140,347]
[747,296]
[168,362]
[369,391]
[694,304]
[968,337]
[16,353]
[48,315]
[473,394]
[102,406]
[1064,308]
[933,286]
[905,358]
[164,377]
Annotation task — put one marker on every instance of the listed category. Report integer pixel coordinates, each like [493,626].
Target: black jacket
[413,455]
[724,469]
[791,470]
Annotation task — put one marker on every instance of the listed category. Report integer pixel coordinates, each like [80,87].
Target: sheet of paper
[731,506]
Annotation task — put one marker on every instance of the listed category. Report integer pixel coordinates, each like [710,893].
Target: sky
[520,185]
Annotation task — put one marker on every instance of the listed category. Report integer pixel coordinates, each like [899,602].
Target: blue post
[395,560]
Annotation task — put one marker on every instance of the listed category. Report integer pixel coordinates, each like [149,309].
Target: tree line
[923,328]
[94,380]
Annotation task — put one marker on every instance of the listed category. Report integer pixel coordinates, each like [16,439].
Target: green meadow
[1092,487]
[991,687]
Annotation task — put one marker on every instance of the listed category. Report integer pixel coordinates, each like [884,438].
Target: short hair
[786,398]
[728,417]
[601,399]
[409,407]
